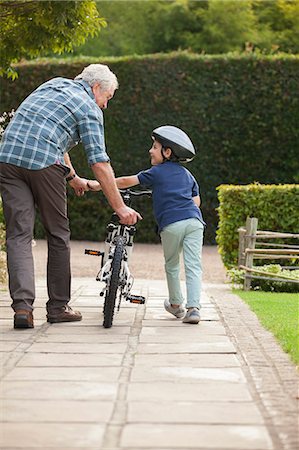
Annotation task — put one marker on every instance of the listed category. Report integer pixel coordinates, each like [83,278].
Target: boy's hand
[94,185]
[79,185]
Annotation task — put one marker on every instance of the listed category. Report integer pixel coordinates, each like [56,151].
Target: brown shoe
[23,319]
[64,314]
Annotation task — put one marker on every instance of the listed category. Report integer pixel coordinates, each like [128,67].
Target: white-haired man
[34,168]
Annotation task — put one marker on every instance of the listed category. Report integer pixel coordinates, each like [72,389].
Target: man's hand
[128,216]
[80,185]
[104,172]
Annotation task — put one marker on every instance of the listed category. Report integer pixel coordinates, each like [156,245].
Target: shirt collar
[86,87]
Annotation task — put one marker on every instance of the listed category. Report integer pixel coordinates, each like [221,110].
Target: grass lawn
[278,313]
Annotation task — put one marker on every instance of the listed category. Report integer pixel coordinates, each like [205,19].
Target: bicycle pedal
[93,252]
[139,299]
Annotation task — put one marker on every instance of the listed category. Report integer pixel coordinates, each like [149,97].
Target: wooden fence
[253,244]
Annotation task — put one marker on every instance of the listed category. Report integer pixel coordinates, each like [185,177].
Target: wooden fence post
[250,238]
[241,251]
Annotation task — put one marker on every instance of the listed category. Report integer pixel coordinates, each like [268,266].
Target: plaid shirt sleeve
[91,132]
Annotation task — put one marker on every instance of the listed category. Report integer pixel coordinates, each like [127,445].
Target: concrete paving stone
[213,391]
[194,412]
[98,330]
[4,359]
[58,390]
[98,321]
[157,314]
[53,435]
[18,336]
[205,328]
[187,374]
[219,346]
[88,302]
[222,437]
[179,335]
[6,313]
[166,323]
[188,360]
[169,322]
[8,346]
[95,338]
[126,311]
[99,374]
[52,410]
[77,348]
[70,360]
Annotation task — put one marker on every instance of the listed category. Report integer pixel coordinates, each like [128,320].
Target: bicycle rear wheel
[111,292]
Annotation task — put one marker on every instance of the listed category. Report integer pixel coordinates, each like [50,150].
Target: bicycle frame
[126,233]
[115,272]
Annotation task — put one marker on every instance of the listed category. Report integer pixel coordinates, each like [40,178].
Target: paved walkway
[148,383]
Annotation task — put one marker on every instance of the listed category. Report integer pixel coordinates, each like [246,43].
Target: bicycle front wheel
[111,292]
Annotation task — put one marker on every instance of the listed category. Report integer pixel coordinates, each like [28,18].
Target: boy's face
[156,153]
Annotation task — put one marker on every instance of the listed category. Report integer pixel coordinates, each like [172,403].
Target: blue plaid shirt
[54,118]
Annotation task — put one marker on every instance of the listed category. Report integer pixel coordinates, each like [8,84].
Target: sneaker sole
[192,321]
[64,320]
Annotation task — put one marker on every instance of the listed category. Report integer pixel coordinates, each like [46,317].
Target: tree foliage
[207,26]
[36,28]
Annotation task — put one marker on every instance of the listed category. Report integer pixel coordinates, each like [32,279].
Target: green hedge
[242,113]
[275,206]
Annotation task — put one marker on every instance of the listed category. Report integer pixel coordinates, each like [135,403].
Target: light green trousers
[184,236]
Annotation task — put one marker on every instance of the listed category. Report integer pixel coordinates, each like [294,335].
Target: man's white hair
[99,73]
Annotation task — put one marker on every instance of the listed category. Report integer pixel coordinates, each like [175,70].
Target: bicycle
[114,271]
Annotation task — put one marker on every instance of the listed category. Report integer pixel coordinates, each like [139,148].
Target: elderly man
[34,169]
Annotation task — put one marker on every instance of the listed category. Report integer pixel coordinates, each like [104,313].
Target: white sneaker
[192,316]
[177,312]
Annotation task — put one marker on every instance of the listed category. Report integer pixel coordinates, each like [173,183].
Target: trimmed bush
[241,112]
[275,207]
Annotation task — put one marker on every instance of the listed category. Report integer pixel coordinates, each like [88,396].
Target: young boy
[176,204]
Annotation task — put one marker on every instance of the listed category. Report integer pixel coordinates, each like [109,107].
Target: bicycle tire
[111,293]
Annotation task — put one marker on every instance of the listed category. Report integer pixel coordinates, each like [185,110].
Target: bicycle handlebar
[135,193]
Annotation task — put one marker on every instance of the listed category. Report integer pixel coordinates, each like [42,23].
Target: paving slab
[187,374]
[70,360]
[221,345]
[96,374]
[76,435]
[194,412]
[209,360]
[58,390]
[196,436]
[36,411]
[204,391]
[90,338]
[205,328]
[74,348]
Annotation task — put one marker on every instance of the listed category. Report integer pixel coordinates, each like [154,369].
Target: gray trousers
[23,191]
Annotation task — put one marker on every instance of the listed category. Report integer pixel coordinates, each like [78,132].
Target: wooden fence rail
[249,237]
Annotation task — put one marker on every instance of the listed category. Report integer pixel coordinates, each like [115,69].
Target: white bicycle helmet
[177,140]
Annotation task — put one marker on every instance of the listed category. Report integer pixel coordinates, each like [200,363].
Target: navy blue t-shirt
[173,188]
